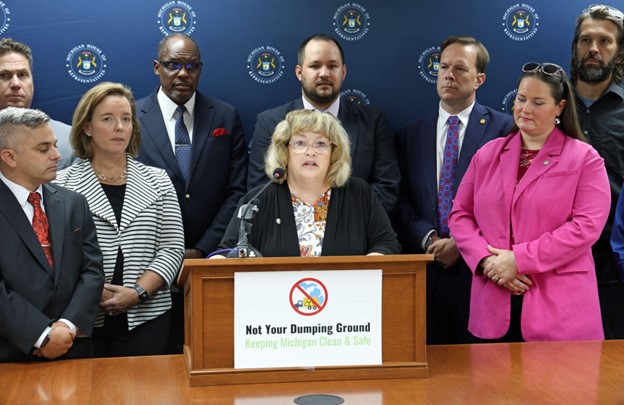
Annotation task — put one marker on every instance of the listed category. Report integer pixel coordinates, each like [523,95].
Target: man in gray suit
[51,275]
[17,90]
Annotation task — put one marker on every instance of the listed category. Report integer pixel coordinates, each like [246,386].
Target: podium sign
[307,319]
[209,318]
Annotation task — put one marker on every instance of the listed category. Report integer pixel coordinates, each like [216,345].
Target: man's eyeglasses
[611,11]
[549,69]
[300,146]
[173,66]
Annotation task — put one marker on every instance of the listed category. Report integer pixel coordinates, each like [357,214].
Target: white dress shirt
[170,115]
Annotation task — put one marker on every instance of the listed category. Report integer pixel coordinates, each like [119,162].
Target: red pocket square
[219,132]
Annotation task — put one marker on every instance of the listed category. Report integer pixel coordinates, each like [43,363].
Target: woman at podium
[312,206]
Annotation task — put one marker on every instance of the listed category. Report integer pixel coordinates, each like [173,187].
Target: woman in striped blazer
[138,221]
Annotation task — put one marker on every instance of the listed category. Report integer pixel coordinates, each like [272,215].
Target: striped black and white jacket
[150,235]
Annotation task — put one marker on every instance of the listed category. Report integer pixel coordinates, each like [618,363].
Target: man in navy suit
[218,157]
[420,145]
[321,71]
[50,285]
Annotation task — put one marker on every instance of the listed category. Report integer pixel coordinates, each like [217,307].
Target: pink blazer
[556,213]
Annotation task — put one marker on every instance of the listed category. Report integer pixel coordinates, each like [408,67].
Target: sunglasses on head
[547,68]
[611,11]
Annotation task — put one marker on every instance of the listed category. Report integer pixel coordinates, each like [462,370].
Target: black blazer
[372,147]
[32,293]
[356,223]
[218,166]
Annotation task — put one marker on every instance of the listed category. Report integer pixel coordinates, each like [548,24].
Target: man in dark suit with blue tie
[321,71]
[421,216]
[51,275]
[199,141]
[211,182]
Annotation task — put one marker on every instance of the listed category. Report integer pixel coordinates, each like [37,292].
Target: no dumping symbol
[308,296]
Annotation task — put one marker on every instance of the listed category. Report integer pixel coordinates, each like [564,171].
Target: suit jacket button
[187,196]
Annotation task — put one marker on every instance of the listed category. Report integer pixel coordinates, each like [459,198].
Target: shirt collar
[332,109]
[615,88]
[168,107]
[463,116]
[19,191]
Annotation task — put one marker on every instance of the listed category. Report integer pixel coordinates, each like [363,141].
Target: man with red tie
[51,275]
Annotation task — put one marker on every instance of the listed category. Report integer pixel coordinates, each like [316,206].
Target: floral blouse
[310,220]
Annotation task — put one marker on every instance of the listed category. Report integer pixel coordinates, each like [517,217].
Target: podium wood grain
[517,373]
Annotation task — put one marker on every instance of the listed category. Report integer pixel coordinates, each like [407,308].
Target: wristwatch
[143,295]
[429,240]
[45,340]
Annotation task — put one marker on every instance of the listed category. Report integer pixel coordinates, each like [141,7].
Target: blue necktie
[447,175]
[182,145]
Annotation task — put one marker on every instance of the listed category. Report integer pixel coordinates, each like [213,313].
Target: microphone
[246,212]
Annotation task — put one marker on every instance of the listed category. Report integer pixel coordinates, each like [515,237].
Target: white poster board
[307,318]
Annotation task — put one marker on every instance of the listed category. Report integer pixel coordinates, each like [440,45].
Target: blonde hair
[84,112]
[299,121]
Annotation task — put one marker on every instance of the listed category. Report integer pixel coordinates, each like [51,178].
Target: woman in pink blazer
[525,216]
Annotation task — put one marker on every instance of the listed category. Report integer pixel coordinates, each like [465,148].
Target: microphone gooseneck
[246,213]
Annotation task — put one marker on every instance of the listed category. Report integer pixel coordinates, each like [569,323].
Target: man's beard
[595,74]
[313,96]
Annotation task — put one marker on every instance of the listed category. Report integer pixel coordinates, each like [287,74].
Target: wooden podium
[209,319]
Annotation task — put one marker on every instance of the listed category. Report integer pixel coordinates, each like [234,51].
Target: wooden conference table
[526,373]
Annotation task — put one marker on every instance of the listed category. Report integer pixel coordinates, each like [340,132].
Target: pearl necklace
[112,179]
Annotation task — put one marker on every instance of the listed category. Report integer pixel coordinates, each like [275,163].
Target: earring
[557,121]
[88,134]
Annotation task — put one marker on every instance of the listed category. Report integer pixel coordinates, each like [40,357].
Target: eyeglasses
[300,146]
[173,66]
[549,69]
[612,12]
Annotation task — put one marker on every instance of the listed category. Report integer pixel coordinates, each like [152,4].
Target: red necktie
[447,175]
[41,226]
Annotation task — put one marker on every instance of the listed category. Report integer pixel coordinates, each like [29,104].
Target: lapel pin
[278,221]
[546,162]
[482,121]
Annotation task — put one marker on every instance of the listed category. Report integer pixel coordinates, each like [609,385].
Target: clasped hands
[117,299]
[61,340]
[501,269]
[444,251]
